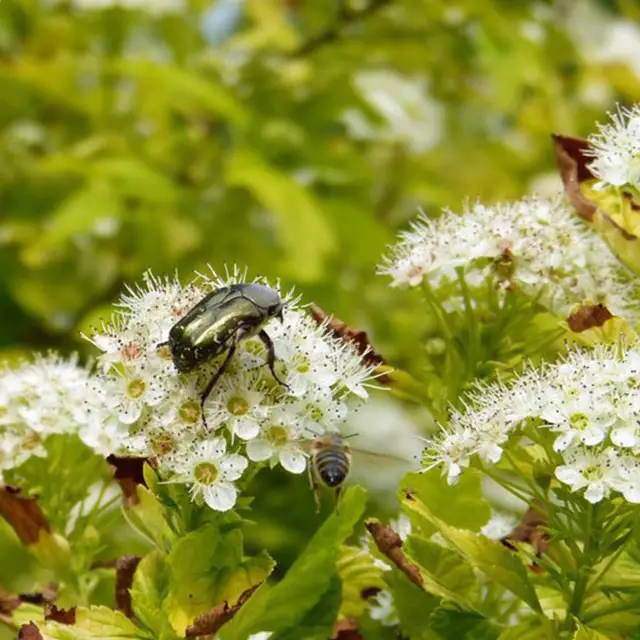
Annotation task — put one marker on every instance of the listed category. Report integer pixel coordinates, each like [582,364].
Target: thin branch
[335,31]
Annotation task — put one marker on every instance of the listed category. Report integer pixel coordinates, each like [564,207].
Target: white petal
[129,412]
[233,466]
[246,428]
[359,389]
[220,496]
[293,460]
[570,476]
[259,449]
[631,492]
[624,437]
[323,377]
[592,435]
[564,440]
[595,492]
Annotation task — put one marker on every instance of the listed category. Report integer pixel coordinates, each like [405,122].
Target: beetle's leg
[271,360]
[212,382]
[314,486]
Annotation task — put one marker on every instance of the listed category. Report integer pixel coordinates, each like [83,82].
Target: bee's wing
[373,456]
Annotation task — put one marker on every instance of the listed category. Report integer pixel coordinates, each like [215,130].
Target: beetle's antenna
[351,435]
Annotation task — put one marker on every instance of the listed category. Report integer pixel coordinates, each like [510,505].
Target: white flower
[616,149]
[210,473]
[239,403]
[596,472]
[535,245]
[282,439]
[589,404]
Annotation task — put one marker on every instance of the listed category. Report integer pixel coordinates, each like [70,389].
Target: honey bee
[330,463]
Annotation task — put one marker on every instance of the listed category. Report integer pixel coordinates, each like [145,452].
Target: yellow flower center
[237,406]
[205,473]
[277,435]
[190,412]
[163,444]
[136,388]
[579,421]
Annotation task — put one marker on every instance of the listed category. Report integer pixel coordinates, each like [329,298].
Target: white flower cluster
[42,398]
[248,413]
[535,245]
[586,409]
[616,149]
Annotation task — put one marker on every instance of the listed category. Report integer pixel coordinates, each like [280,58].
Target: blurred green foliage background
[295,137]
[292,136]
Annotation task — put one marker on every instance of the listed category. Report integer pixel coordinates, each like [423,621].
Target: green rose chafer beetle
[218,323]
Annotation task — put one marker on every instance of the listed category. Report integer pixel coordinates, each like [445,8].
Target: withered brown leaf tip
[588,317]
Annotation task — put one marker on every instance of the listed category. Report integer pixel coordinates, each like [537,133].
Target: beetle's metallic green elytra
[219,322]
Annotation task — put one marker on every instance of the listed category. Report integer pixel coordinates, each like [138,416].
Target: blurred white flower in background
[410,115]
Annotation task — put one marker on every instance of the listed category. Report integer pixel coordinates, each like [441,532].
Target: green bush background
[294,137]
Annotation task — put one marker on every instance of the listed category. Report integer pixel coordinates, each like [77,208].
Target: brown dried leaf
[346,629]
[63,616]
[390,544]
[209,623]
[23,514]
[127,472]
[29,632]
[125,569]
[530,529]
[357,337]
[588,317]
[572,163]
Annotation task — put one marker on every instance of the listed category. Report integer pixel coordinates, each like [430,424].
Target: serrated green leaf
[492,558]
[281,607]
[95,622]
[530,630]
[149,591]
[305,236]
[461,505]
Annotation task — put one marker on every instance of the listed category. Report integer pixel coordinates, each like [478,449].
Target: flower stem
[584,562]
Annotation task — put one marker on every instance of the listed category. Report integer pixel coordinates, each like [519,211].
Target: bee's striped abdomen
[332,466]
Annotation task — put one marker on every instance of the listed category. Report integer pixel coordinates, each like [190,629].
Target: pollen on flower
[585,408]
[248,417]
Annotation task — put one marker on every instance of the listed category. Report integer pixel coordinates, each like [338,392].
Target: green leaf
[584,633]
[131,177]
[462,625]
[305,236]
[318,623]
[492,558]
[148,518]
[96,622]
[445,573]
[414,607]
[207,568]
[461,505]
[283,606]
[80,212]
[185,88]
[530,630]
[359,574]
[149,591]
